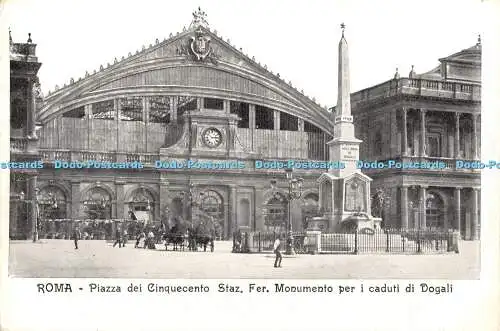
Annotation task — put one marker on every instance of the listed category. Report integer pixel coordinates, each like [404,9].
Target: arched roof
[169,68]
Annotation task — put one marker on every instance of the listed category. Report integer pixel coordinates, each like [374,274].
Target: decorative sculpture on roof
[198,47]
[199,18]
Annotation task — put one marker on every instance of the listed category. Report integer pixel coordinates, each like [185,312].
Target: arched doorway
[310,207]
[52,203]
[275,213]
[51,207]
[97,206]
[434,211]
[141,206]
[212,206]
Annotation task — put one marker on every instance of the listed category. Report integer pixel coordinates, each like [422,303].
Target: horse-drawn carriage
[199,234]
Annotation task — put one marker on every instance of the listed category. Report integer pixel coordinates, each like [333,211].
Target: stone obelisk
[344,147]
[344,191]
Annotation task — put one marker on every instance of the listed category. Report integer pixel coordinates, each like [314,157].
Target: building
[429,117]
[24,95]
[192,97]
[210,126]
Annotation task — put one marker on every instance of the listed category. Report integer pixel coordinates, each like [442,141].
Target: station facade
[209,125]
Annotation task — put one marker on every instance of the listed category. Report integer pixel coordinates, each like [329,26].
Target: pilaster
[404,206]
[405,132]
[422,133]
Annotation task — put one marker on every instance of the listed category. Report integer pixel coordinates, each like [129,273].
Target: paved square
[98,259]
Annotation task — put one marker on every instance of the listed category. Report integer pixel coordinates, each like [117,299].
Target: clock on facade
[212,137]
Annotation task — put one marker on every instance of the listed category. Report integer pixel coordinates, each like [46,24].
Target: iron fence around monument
[365,241]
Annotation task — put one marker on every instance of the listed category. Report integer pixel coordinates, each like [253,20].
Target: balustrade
[418,86]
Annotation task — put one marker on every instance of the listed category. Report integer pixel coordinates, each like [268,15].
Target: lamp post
[191,201]
[294,193]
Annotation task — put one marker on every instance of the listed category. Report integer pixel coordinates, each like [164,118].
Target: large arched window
[275,214]
[97,204]
[52,203]
[141,206]
[434,209]
[213,207]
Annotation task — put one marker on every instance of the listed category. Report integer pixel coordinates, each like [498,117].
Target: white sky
[297,39]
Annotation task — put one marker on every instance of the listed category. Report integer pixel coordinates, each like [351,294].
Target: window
[159,109]
[75,113]
[210,103]
[18,103]
[104,110]
[316,142]
[288,122]
[264,118]
[131,109]
[241,109]
[377,145]
[434,145]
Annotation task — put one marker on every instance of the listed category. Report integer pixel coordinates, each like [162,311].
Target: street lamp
[294,193]
[191,201]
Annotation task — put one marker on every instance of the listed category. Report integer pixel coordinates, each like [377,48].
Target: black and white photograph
[274,140]
[188,157]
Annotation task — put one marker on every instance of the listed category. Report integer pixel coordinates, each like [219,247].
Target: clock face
[212,137]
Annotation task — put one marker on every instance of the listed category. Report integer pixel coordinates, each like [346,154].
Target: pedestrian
[76,236]
[118,238]
[125,237]
[277,247]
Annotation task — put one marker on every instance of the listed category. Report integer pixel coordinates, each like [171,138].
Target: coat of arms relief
[197,46]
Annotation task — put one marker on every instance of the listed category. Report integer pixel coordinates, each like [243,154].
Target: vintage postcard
[279,149]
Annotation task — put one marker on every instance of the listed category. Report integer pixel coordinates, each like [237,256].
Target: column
[458,214]
[145,119]
[227,106]
[404,206]
[474,137]
[422,132]
[33,230]
[251,124]
[173,108]
[405,134]
[120,199]
[117,106]
[145,109]
[199,103]
[89,116]
[422,198]
[457,135]
[299,150]
[277,120]
[232,224]
[75,200]
[31,109]
[475,214]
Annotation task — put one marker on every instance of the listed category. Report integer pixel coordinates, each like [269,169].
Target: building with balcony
[434,116]
[191,97]
[24,96]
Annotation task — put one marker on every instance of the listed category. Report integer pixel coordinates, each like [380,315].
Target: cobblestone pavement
[98,259]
